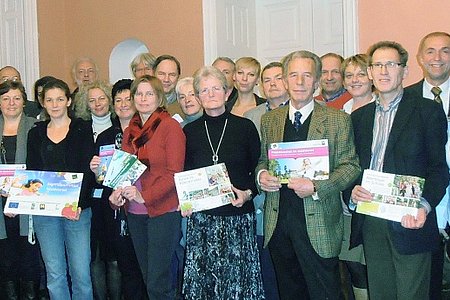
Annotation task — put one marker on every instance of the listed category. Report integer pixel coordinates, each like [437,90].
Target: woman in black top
[63,144]
[222,260]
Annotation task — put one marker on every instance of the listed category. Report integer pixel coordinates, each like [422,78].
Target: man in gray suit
[276,95]
[274,91]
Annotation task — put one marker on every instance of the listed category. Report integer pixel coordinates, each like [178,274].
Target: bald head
[9,73]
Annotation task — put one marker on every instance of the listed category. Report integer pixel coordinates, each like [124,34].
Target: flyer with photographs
[7,176]
[105,153]
[299,159]
[204,188]
[123,170]
[393,195]
[44,193]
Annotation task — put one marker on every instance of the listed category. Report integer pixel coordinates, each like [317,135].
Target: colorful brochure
[123,170]
[393,195]
[204,188]
[299,159]
[7,176]
[44,193]
[105,153]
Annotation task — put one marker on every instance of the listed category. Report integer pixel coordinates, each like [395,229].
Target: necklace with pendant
[215,156]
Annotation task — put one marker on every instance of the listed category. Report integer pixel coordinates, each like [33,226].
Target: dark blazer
[416,147]
[415,89]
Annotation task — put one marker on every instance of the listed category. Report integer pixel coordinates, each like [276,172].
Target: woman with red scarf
[153,220]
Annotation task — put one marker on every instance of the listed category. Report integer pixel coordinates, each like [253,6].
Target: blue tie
[297,123]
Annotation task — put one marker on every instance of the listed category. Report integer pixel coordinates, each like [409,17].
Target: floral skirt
[222,259]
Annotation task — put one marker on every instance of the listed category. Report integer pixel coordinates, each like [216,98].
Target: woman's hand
[241,197]
[131,193]
[10,215]
[116,198]
[94,164]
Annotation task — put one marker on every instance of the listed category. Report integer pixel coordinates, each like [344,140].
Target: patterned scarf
[141,134]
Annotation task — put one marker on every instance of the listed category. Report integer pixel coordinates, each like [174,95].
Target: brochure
[299,159]
[393,195]
[123,170]
[7,176]
[44,193]
[204,188]
[105,153]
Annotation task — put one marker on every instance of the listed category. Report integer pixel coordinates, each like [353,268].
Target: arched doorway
[121,57]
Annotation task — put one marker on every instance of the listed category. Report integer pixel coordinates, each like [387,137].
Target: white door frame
[350,17]
[31,44]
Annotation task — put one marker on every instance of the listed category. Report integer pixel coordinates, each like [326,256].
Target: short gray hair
[302,54]
[208,71]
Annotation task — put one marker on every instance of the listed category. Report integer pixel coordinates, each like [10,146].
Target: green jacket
[324,219]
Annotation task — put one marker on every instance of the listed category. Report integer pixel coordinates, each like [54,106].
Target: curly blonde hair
[81,101]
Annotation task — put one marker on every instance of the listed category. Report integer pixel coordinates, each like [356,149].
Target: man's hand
[303,187]
[411,222]
[268,182]
[360,194]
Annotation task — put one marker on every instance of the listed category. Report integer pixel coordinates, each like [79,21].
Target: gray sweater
[21,154]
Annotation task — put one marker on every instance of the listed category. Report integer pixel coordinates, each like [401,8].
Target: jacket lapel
[316,127]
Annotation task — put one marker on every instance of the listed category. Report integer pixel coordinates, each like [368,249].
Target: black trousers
[19,258]
[301,272]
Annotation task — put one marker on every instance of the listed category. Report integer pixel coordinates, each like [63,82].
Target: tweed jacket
[21,153]
[324,219]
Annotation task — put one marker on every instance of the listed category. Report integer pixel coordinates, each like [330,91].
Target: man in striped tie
[434,58]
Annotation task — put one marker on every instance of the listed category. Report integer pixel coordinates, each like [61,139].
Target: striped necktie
[437,94]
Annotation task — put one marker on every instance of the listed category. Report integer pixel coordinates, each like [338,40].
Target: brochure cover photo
[204,188]
[44,193]
[7,176]
[123,170]
[393,195]
[105,153]
[299,159]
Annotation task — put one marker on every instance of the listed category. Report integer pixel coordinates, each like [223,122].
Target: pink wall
[405,22]
[70,29]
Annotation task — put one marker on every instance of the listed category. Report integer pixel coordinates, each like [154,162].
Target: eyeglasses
[390,65]
[214,89]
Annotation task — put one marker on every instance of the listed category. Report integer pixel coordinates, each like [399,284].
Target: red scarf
[140,135]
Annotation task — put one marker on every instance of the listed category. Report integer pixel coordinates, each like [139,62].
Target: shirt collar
[392,105]
[335,96]
[305,111]
[281,105]
[445,86]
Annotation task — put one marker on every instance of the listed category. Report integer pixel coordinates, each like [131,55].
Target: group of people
[298,240]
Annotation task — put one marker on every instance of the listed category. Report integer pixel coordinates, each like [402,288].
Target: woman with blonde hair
[154,223]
